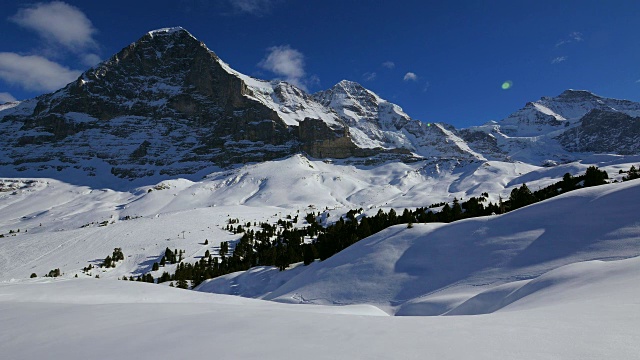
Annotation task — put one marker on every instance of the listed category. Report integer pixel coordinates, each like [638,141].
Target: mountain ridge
[166,105]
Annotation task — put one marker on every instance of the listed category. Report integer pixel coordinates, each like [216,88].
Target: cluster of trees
[632,174]
[110,261]
[141,278]
[522,196]
[282,244]
[52,273]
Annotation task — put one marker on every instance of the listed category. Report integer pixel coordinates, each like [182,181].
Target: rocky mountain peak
[348,86]
[578,95]
[169,31]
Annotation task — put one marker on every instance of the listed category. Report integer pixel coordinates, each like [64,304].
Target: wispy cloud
[410,77]
[59,23]
[90,59]
[389,64]
[5,97]
[253,7]
[34,72]
[576,36]
[426,87]
[572,37]
[559,59]
[286,62]
[369,76]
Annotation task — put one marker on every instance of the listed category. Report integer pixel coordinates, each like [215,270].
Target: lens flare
[507,85]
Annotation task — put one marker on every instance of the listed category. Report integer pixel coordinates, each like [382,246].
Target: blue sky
[441,61]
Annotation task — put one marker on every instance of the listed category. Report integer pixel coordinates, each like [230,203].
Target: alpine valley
[183,165]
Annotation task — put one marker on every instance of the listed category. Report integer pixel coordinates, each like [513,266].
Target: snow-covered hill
[53,215]
[435,269]
[581,311]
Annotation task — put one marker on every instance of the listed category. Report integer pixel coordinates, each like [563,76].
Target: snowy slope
[291,103]
[55,216]
[588,311]
[429,269]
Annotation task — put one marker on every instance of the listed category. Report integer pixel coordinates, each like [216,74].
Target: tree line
[282,244]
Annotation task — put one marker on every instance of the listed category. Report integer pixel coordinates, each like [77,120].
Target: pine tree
[224,248]
[182,284]
[594,177]
[155,267]
[456,210]
[107,262]
[521,197]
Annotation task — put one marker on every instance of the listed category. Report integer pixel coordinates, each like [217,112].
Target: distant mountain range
[167,106]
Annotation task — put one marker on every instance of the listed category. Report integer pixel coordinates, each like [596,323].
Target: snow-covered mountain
[167,106]
[376,123]
[560,129]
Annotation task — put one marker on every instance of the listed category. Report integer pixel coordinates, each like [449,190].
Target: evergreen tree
[632,174]
[182,284]
[107,262]
[521,197]
[456,210]
[445,213]
[155,267]
[567,183]
[594,177]
[310,253]
[224,248]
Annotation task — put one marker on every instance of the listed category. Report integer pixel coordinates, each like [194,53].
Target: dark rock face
[604,131]
[482,142]
[320,141]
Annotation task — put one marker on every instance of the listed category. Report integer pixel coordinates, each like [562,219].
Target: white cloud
[35,72]
[576,36]
[559,59]
[389,64]
[254,7]
[410,77]
[573,37]
[60,23]
[91,59]
[369,76]
[5,97]
[286,62]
